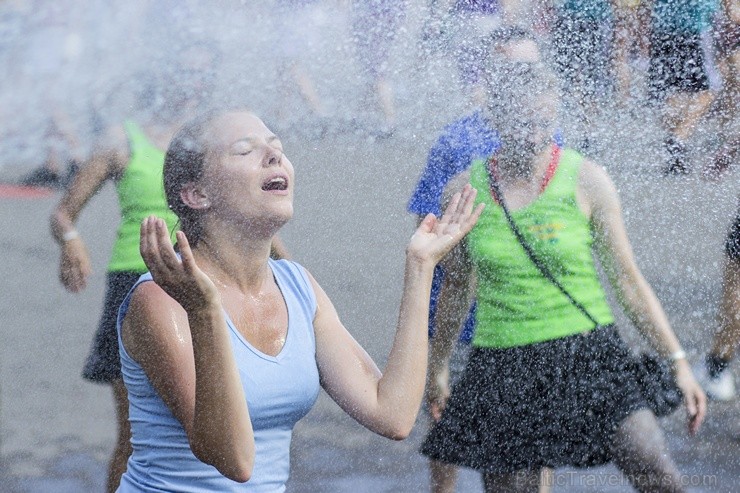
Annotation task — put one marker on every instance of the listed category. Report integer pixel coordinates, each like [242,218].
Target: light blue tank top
[280,390]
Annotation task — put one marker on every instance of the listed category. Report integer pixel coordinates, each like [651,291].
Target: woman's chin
[280,216]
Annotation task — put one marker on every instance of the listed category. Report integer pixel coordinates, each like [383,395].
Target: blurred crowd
[73,68]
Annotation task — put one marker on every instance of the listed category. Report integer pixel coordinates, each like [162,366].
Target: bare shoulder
[153,319]
[593,174]
[596,185]
[323,303]
[112,139]
[113,147]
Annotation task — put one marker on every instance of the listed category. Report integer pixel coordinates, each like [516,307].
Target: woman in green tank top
[543,386]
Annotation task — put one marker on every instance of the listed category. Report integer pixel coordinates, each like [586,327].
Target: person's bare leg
[385,99]
[547,478]
[681,114]
[728,338]
[726,155]
[518,482]
[624,36]
[122,450]
[684,110]
[307,89]
[640,452]
[443,477]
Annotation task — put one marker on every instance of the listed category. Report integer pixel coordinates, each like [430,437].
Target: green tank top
[517,305]
[140,194]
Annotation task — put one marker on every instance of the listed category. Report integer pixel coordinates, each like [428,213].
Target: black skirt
[676,64]
[553,404]
[103,364]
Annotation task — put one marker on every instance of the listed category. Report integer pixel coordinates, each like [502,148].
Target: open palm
[180,277]
[434,238]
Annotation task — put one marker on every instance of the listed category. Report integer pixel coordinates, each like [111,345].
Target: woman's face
[247,177]
[527,127]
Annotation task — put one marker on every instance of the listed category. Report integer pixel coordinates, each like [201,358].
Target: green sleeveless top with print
[140,194]
[517,305]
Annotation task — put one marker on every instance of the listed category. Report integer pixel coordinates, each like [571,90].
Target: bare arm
[452,307]
[388,402]
[176,330]
[634,293]
[74,264]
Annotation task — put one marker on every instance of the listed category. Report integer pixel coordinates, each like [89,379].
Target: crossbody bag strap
[499,197]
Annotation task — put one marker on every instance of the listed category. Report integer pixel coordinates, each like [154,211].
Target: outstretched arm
[634,293]
[387,403]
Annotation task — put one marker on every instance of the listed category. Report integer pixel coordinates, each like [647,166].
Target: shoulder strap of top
[127,300]
[565,179]
[293,274]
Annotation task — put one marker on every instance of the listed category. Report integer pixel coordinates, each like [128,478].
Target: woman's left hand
[434,238]
[693,395]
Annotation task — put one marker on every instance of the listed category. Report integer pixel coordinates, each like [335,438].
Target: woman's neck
[528,170]
[241,264]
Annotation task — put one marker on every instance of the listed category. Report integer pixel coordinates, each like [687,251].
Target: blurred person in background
[677,76]
[297,30]
[582,41]
[631,47]
[726,35]
[131,155]
[461,27]
[460,143]
[375,24]
[549,380]
[714,371]
[44,67]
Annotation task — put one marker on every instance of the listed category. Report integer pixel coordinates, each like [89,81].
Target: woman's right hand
[434,238]
[437,392]
[181,278]
[74,265]
[694,397]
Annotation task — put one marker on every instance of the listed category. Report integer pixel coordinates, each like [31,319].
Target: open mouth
[279,183]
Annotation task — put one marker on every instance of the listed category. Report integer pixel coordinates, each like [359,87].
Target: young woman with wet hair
[543,386]
[226,350]
[131,155]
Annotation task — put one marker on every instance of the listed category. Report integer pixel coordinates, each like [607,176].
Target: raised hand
[434,238]
[74,265]
[437,391]
[179,277]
